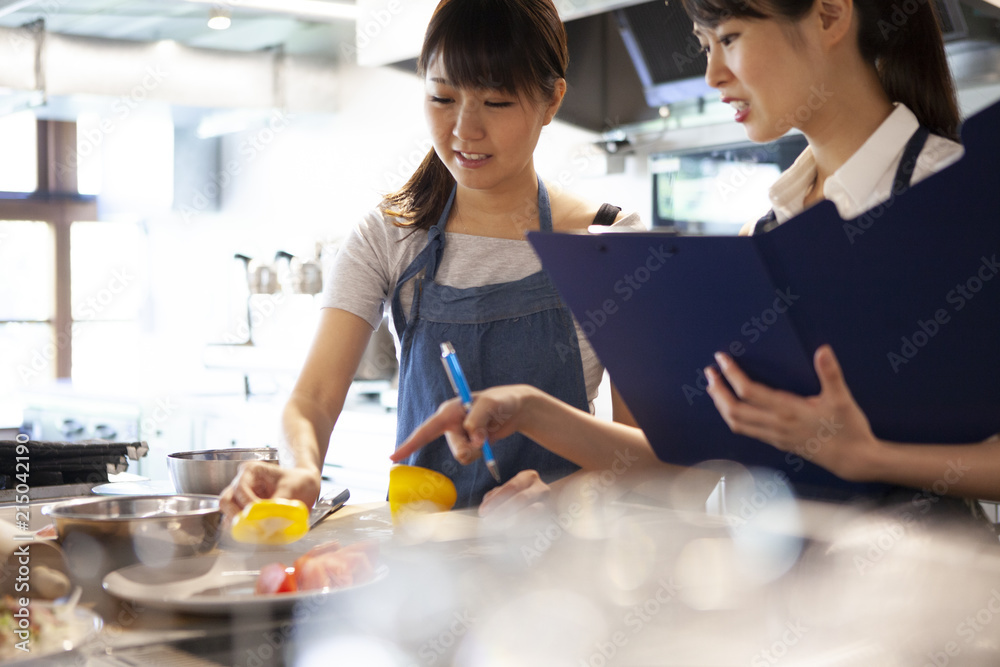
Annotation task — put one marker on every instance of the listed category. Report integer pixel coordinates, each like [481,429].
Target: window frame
[58,203]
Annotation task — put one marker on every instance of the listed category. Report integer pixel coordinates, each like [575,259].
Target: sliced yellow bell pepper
[412,488]
[271,521]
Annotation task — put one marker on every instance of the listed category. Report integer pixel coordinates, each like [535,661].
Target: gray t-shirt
[374,256]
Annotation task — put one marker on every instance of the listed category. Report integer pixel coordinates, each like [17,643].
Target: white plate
[214,584]
[77,629]
[148,487]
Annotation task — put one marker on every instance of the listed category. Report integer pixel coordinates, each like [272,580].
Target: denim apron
[506,333]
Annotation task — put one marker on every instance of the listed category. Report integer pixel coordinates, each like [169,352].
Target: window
[107,292]
[36,325]
[19,167]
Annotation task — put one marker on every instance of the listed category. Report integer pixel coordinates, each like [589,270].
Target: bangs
[711,13]
[494,44]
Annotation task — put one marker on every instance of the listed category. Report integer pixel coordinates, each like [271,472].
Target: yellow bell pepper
[271,521]
[415,489]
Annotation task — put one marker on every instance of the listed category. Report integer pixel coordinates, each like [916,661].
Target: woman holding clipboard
[869,87]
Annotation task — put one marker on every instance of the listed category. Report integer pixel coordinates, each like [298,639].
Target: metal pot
[209,471]
[304,276]
[262,278]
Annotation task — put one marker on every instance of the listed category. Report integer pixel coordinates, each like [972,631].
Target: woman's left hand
[828,429]
[524,494]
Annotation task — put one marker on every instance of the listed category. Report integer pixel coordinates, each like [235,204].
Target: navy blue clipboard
[907,294]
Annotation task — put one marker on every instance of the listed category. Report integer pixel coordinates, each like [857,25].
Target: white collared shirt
[865,180]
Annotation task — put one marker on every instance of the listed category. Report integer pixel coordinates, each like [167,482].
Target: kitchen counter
[613,578]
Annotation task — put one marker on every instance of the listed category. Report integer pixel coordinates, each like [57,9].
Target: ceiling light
[316,10]
[219,19]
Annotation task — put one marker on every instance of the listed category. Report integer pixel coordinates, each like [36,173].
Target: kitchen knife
[329,503]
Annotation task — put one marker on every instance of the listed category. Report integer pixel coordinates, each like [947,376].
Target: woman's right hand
[496,413]
[257,480]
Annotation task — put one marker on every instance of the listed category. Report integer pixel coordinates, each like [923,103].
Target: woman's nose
[468,124]
[716,74]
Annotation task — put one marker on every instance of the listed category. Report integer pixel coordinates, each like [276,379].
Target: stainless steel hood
[663,65]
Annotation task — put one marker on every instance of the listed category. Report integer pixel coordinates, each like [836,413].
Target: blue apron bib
[506,333]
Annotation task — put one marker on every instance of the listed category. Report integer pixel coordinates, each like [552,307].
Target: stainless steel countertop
[613,579]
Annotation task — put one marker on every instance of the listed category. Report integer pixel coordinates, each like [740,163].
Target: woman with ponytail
[867,83]
[882,115]
[447,254]
[859,78]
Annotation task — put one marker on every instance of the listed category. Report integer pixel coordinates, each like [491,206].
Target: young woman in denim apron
[878,107]
[493,74]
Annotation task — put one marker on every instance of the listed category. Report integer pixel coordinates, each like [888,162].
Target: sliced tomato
[47,532]
[338,569]
[319,550]
[276,578]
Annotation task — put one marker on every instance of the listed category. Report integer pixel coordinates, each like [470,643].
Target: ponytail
[903,39]
[420,202]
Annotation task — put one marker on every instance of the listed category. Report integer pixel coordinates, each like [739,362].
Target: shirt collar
[789,191]
[852,188]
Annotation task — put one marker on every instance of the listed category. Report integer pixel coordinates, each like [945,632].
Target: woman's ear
[835,17]
[556,101]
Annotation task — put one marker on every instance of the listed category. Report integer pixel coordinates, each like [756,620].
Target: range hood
[630,58]
[629,61]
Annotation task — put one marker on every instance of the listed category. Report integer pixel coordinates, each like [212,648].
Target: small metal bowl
[209,471]
[102,534]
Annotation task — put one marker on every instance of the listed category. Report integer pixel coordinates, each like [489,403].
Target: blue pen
[461,387]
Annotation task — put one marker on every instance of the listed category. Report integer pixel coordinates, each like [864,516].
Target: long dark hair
[517,46]
[904,45]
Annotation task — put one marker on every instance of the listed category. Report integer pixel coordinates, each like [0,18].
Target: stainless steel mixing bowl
[210,470]
[104,533]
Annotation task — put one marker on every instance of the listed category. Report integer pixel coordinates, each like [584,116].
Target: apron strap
[429,258]
[606,215]
[766,223]
[907,163]
[544,208]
